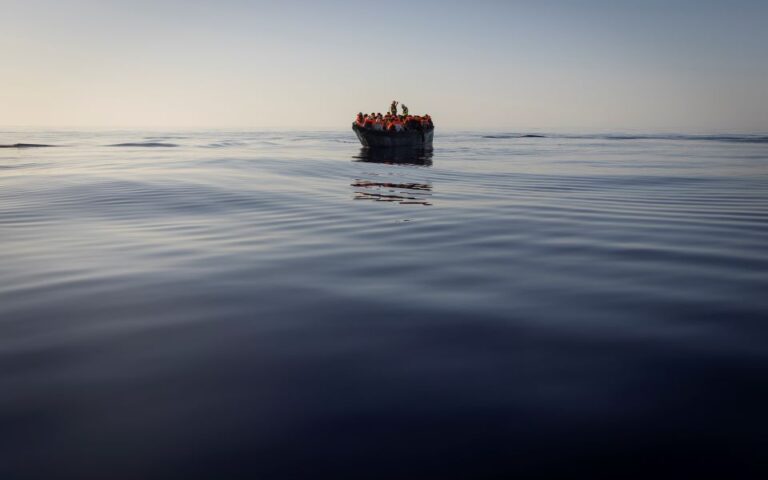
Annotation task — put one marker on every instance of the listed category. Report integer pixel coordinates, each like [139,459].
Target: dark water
[284,305]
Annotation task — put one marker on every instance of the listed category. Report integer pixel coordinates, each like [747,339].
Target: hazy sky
[593,64]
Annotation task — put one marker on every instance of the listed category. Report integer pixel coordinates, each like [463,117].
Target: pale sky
[652,65]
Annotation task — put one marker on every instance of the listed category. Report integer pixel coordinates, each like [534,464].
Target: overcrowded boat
[394,129]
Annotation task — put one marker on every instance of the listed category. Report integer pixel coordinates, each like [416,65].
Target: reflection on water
[404,193]
[405,156]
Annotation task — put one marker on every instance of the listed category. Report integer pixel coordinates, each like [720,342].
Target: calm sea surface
[284,305]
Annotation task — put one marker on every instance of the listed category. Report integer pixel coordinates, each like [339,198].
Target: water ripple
[243,309]
[143,144]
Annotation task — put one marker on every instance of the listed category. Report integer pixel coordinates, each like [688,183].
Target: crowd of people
[392,121]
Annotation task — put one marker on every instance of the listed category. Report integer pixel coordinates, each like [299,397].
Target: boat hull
[383,139]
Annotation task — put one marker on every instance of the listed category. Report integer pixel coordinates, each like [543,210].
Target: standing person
[393,107]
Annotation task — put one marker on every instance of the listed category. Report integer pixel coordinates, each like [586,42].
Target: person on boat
[393,107]
[368,122]
[359,119]
[378,123]
[396,125]
[405,109]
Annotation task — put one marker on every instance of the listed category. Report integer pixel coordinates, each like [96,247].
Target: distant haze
[592,64]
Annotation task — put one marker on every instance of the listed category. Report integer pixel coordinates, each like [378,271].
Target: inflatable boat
[417,138]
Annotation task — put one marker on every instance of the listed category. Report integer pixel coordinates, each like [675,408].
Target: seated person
[396,124]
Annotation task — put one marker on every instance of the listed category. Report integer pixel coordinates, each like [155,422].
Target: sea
[287,305]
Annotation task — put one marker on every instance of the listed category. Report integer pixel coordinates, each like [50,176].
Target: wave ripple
[274,303]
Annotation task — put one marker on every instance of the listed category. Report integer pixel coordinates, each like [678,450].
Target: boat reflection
[403,156]
[391,190]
